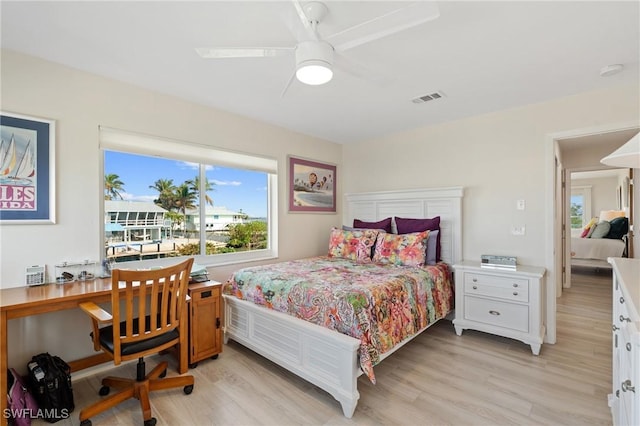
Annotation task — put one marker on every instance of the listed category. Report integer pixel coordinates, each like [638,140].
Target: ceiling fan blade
[309,27]
[359,70]
[293,24]
[242,52]
[385,25]
[284,91]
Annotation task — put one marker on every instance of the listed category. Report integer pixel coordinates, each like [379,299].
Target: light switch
[518,230]
[520,204]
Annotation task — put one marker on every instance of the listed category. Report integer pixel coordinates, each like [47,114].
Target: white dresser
[502,302]
[625,399]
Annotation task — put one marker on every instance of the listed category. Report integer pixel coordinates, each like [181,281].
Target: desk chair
[161,308]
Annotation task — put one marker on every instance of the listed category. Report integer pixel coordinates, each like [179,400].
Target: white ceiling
[484,56]
[597,174]
[612,139]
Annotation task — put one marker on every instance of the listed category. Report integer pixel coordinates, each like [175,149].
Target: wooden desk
[26,301]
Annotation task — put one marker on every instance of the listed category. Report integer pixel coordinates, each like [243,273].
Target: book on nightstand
[198,274]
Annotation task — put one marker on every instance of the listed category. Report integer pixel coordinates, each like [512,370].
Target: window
[579,208]
[165,198]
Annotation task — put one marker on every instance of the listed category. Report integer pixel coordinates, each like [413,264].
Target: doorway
[572,151]
[581,160]
[594,195]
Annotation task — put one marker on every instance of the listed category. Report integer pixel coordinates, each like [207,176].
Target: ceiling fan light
[314,72]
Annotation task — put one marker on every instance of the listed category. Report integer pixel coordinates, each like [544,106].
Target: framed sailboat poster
[27,170]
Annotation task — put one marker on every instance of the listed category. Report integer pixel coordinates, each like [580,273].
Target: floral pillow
[404,249]
[407,226]
[355,245]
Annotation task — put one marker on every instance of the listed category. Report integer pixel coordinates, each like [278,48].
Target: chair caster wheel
[150,422]
[85,423]
[193,365]
[188,389]
[163,374]
[215,356]
[104,391]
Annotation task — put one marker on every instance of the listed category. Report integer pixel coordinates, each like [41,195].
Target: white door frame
[554,278]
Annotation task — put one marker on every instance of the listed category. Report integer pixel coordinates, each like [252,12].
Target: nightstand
[205,321]
[503,302]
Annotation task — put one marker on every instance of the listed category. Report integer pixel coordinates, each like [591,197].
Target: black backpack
[50,380]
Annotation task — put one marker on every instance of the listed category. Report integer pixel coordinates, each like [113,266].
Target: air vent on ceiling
[430,97]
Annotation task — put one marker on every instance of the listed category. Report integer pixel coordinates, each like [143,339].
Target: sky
[577,199]
[234,189]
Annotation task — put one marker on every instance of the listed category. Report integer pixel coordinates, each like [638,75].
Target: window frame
[585,192]
[112,142]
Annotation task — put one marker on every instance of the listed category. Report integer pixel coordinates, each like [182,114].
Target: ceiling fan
[316,56]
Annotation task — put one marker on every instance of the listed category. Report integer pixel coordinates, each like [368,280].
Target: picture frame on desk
[312,186]
[27,169]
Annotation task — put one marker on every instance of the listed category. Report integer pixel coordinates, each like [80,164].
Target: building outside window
[170,206]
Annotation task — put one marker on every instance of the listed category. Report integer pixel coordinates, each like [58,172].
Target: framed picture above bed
[312,186]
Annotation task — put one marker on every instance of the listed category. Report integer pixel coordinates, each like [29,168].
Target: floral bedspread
[381,305]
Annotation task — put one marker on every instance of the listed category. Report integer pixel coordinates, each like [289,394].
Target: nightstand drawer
[501,287]
[205,294]
[500,314]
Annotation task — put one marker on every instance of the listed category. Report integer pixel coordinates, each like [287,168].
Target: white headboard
[417,204]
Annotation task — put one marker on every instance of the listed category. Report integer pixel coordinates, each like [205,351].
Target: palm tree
[166,196]
[195,186]
[185,198]
[176,220]
[112,187]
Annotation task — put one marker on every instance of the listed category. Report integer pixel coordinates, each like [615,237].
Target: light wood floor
[437,379]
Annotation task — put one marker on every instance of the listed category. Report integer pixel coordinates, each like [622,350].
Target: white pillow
[602,229]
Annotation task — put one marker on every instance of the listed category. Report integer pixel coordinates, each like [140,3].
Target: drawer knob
[475,287]
[515,293]
[475,280]
[515,285]
[628,346]
[626,386]
[494,313]
[623,319]
[621,299]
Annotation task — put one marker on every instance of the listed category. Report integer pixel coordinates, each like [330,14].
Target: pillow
[591,230]
[432,244]
[588,227]
[609,215]
[601,229]
[405,249]
[619,228]
[406,226]
[351,228]
[384,224]
[353,245]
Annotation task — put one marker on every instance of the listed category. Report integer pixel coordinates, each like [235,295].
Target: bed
[603,237]
[331,358]
[593,252]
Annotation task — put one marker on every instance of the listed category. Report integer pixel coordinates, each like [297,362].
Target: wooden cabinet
[503,302]
[205,321]
[625,399]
